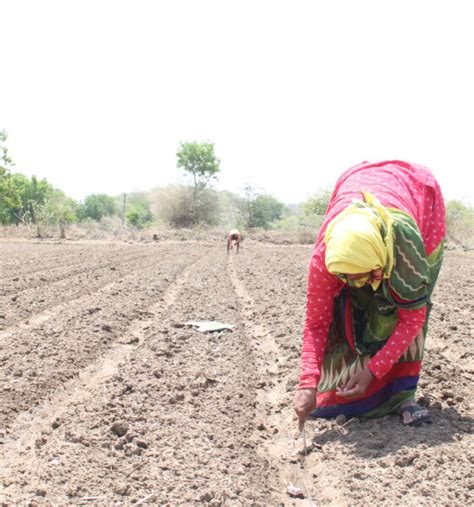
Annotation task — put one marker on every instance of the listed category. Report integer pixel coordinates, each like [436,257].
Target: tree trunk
[62,229]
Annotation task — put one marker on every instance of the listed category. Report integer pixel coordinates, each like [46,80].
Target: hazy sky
[96,95]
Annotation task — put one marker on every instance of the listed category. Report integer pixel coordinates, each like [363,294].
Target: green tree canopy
[138,212]
[20,202]
[317,203]
[5,161]
[264,210]
[198,160]
[8,198]
[96,206]
[61,208]
[22,197]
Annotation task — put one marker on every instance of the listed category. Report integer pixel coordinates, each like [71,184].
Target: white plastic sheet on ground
[209,326]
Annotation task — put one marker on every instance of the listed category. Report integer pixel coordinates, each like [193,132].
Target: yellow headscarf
[360,239]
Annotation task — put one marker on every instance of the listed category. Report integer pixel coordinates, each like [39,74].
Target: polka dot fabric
[407,187]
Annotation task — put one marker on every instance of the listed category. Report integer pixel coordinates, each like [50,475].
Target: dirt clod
[119,428]
[205,419]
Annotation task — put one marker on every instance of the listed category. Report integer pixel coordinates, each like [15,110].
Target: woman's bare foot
[413,414]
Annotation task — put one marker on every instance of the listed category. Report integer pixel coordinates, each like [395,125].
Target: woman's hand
[304,403]
[357,385]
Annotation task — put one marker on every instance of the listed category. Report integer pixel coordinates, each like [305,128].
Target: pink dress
[407,187]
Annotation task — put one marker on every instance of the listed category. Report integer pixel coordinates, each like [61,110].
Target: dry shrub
[29,231]
[460,224]
[180,207]
[282,237]
[111,229]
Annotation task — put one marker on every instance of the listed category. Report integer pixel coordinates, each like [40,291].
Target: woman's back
[407,187]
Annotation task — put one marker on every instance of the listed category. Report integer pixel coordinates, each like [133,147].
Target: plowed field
[106,398]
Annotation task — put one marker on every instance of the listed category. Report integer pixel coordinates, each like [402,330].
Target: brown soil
[107,399]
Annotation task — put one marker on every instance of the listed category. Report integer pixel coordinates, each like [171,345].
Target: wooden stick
[145,498]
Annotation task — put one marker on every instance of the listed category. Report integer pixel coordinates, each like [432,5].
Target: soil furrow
[285,449]
[383,448]
[175,424]
[55,275]
[28,433]
[40,264]
[53,311]
[28,306]
[109,399]
[45,357]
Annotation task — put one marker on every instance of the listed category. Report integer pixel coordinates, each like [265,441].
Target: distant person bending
[233,238]
[373,268]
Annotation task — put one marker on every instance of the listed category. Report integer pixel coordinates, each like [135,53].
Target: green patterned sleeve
[410,283]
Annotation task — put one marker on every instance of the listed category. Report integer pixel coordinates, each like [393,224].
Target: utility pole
[123,208]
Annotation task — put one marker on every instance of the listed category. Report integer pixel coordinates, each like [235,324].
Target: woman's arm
[409,325]
[322,289]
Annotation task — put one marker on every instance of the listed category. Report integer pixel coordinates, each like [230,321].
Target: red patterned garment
[413,190]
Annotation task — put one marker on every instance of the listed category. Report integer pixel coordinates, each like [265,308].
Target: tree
[176,206]
[18,206]
[5,161]
[23,197]
[187,207]
[96,206]
[246,207]
[317,203]
[30,201]
[138,213]
[199,160]
[460,222]
[8,197]
[61,210]
[37,195]
[231,205]
[266,209]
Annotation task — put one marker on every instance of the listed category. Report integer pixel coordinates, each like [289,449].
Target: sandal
[417,415]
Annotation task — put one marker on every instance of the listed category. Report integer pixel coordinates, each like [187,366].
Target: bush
[139,214]
[303,229]
[179,207]
[260,211]
[317,203]
[460,223]
[96,206]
